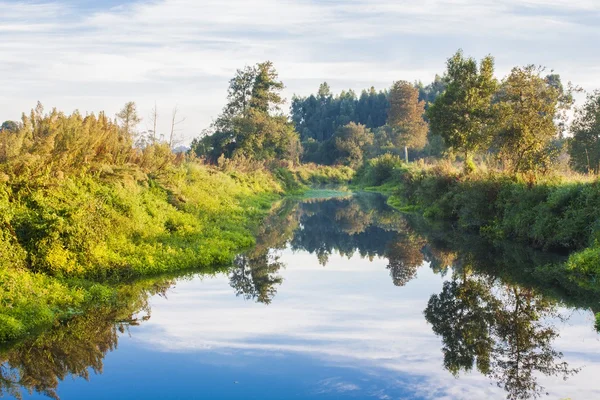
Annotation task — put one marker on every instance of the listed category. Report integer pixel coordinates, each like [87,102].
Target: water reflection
[494,312]
[254,274]
[76,347]
[500,330]
[495,325]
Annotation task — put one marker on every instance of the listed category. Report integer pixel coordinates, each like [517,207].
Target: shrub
[379,170]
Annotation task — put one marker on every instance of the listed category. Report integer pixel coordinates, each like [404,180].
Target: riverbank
[64,245]
[557,214]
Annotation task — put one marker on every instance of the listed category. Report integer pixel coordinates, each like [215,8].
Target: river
[340,298]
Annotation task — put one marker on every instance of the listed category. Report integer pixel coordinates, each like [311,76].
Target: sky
[96,55]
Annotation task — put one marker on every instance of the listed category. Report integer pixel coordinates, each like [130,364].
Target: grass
[315,175]
[64,246]
[322,194]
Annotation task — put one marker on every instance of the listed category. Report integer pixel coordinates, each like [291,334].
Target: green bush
[10,328]
[379,170]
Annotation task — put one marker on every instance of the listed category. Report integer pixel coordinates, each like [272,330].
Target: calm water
[341,298]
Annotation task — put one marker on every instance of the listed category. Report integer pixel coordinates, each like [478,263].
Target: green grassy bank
[64,245]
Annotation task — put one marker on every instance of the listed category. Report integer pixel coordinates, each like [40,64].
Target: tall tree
[430,92]
[405,116]
[462,113]
[266,89]
[129,119]
[585,144]
[240,92]
[527,104]
[252,124]
[319,116]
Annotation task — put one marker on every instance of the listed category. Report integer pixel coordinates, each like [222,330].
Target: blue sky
[96,55]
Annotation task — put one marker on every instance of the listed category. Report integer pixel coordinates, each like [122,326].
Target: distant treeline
[318,117]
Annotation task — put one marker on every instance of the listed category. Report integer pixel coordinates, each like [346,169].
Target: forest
[88,202]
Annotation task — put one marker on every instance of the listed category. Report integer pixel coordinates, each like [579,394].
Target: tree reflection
[363,225]
[498,329]
[343,226]
[491,314]
[75,347]
[346,226]
[254,274]
[405,258]
[69,350]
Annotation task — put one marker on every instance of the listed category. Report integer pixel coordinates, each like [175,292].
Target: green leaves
[585,144]
[525,111]
[350,141]
[251,125]
[83,232]
[463,112]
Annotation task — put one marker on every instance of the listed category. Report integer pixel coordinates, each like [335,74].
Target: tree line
[519,121]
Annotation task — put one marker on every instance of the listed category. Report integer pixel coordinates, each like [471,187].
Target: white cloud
[347,314]
[184,51]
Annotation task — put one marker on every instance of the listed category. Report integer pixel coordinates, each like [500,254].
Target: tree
[430,92]
[350,142]
[585,144]
[405,116]
[462,113]
[318,116]
[10,126]
[129,119]
[240,92]
[251,124]
[527,104]
[266,89]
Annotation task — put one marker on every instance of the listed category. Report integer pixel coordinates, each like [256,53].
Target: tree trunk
[406,154]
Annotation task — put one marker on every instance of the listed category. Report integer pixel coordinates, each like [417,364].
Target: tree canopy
[462,114]
[251,124]
[527,104]
[317,117]
[350,142]
[405,117]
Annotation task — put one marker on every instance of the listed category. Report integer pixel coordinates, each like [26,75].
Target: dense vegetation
[320,119]
[554,214]
[82,207]
[87,201]
[251,124]
[517,124]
